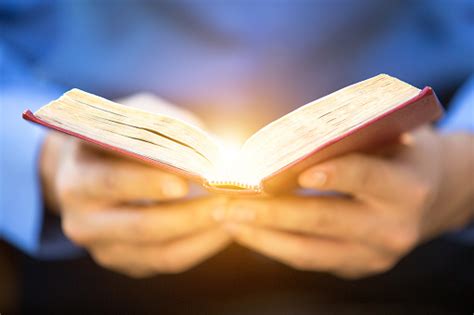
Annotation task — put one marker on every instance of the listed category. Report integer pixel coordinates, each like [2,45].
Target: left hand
[391,204]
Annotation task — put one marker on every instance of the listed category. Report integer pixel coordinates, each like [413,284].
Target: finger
[86,175]
[132,181]
[172,257]
[393,148]
[331,217]
[357,174]
[307,253]
[150,224]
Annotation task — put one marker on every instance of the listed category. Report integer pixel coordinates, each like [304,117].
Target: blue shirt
[228,60]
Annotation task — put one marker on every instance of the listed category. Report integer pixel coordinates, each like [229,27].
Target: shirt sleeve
[461,115]
[461,118]
[20,197]
[22,219]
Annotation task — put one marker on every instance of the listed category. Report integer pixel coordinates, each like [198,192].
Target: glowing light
[232,168]
[229,153]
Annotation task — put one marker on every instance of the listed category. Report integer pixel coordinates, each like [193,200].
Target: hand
[130,217]
[391,204]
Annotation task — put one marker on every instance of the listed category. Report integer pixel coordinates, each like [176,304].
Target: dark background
[436,278]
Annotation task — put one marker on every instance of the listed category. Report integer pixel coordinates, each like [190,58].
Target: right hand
[128,215]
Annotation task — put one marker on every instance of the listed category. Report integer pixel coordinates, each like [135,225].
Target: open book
[357,117]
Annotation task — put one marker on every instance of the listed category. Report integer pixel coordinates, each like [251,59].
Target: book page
[162,138]
[300,132]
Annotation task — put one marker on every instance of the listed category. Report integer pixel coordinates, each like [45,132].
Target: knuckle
[110,256]
[365,268]
[167,263]
[305,260]
[75,232]
[103,258]
[375,267]
[381,265]
[177,268]
[402,240]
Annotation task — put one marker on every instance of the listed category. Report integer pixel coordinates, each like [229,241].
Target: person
[228,62]
[407,196]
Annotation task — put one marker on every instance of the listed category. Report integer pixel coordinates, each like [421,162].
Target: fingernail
[241,213]
[219,214]
[313,179]
[174,189]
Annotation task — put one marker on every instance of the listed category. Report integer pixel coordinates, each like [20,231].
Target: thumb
[355,174]
[133,181]
[118,180]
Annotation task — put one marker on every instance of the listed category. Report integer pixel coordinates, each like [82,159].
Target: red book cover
[381,130]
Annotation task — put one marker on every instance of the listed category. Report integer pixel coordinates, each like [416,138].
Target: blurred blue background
[238,62]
